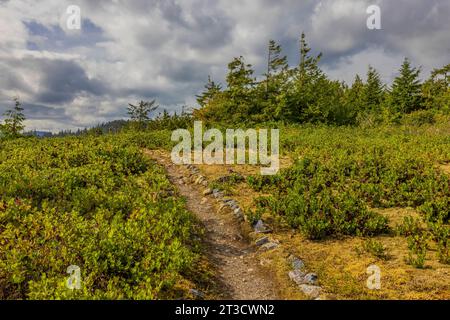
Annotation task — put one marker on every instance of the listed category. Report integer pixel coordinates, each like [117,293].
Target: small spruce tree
[211,90]
[405,95]
[15,117]
[373,93]
[139,114]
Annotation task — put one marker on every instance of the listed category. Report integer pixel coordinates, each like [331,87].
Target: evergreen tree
[15,117]
[276,64]
[239,92]
[405,95]
[373,93]
[305,94]
[271,90]
[211,90]
[239,78]
[436,90]
[139,114]
[353,99]
[308,67]
[356,93]
[308,82]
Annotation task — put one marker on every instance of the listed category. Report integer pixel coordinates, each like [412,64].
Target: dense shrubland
[342,174]
[94,202]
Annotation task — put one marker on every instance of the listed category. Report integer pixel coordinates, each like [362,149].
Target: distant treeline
[163,121]
[304,93]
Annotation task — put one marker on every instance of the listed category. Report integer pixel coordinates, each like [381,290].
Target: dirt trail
[238,272]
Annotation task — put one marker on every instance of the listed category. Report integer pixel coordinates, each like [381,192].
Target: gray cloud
[54,38]
[43,112]
[64,80]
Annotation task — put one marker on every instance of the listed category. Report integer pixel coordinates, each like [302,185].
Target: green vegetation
[376,248]
[304,94]
[97,202]
[14,118]
[343,172]
[94,202]
[140,113]
[418,245]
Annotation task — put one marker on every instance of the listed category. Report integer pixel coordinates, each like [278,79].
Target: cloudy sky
[130,50]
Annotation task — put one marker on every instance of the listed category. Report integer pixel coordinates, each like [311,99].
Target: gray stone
[269,246]
[233,204]
[261,241]
[297,276]
[312,292]
[197,294]
[296,263]
[310,278]
[217,194]
[260,227]
[301,278]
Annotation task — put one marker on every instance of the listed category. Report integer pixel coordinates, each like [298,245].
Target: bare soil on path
[238,273]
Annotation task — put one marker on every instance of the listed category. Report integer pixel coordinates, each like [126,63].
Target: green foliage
[276,62]
[304,196]
[417,245]
[311,93]
[304,94]
[239,81]
[165,121]
[441,235]
[211,90]
[436,90]
[420,118]
[409,227]
[405,95]
[94,202]
[13,125]
[373,92]
[375,248]
[227,183]
[139,113]
[254,215]
[271,92]
[344,171]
